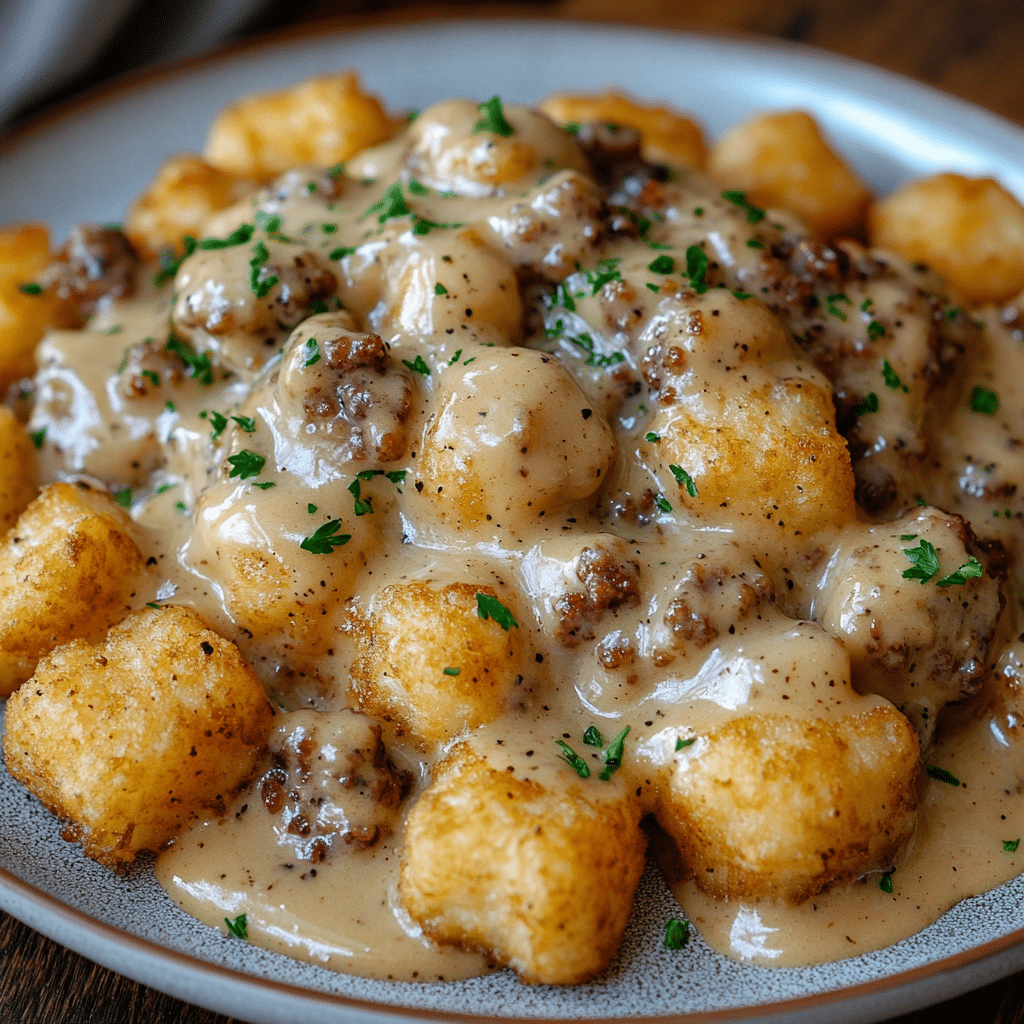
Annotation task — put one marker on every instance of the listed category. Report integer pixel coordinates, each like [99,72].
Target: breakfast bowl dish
[432,512]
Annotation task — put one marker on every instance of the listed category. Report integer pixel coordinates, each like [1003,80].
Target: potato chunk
[181,198]
[134,738]
[782,159]
[540,875]
[668,136]
[769,806]
[432,663]
[971,230]
[321,121]
[17,469]
[24,254]
[66,570]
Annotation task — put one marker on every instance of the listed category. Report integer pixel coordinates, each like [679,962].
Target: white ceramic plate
[88,162]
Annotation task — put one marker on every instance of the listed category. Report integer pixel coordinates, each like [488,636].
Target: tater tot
[184,194]
[321,121]
[540,875]
[971,230]
[782,159]
[25,313]
[667,136]
[17,469]
[67,568]
[432,663]
[133,739]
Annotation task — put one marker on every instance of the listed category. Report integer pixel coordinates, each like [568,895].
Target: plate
[86,163]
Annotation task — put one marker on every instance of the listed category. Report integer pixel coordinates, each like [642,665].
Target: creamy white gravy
[467,289]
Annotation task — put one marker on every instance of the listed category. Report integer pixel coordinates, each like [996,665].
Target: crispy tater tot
[971,230]
[67,568]
[321,121]
[178,202]
[134,738]
[782,159]
[17,469]
[667,136]
[541,877]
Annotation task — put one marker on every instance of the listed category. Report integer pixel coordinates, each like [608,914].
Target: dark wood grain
[970,49]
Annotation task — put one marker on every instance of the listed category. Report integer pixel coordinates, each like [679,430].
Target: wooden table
[970,49]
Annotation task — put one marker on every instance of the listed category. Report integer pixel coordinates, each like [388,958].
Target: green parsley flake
[242,234]
[217,421]
[38,437]
[652,287]
[652,436]
[169,264]
[971,569]
[488,607]
[571,758]
[684,480]
[681,744]
[326,539]
[266,485]
[439,289]
[869,403]
[269,222]
[1010,845]
[885,882]
[892,378]
[311,508]
[200,365]
[181,506]
[257,265]
[341,252]
[984,401]
[662,265]
[417,365]
[926,562]
[875,330]
[612,757]
[238,927]
[592,737]
[697,268]
[123,497]
[756,243]
[312,349]
[391,204]
[152,376]
[662,503]
[417,188]
[362,505]
[246,464]
[247,423]
[452,671]
[396,476]
[934,772]
[493,119]
[754,213]
[30,288]
[677,933]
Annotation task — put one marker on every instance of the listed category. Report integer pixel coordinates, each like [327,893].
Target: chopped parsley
[892,378]
[123,497]
[971,569]
[575,762]
[681,744]
[341,252]
[662,503]
[652,436]
[417,188]
[984,401]
[242,234]
[697,268]
[934,772]
[396,476]
[612,757]
[677,933]
[152,376]
[169,263]
[417,365]
[1010,845]
[885,882]
[662,265]
[217,421]
[312,350]
[326,538]
[875,330]
[586,343]
[247,423]
[738,198]
[607,270]
[493,119]
[869,403]
[391,204]
[310,508]
[30,288]
[199,363]
[592,737]
[266,485]
[268,222]
[563,298]
[488,607]
[439,289]
[452,671]
[260,285]
[362,505]
[926,562]
[756,243]
[246,464]
[684,480]
[238,927]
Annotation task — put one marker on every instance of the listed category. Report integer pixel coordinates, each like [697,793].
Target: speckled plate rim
[891,127]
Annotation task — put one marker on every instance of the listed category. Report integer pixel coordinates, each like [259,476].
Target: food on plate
[413,527]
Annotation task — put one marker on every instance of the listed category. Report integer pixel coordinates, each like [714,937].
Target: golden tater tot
[541,877]
[667,136]
[133,739]
[783,160]
[24,314]
[768,806]
[321,121]
[433,664]
[182,196]
[970,230]
[66,570]
[17,469]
